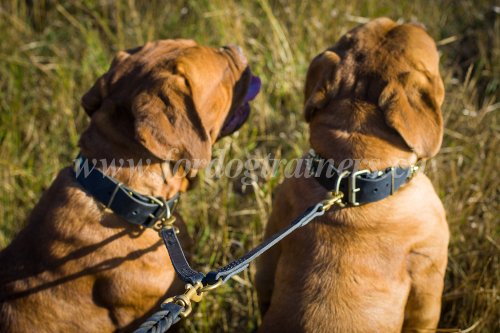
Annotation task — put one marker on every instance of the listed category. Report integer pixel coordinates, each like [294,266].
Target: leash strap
[238,265]
[179,261]
[188,275]
[134,207]
[197,283]
[361,187]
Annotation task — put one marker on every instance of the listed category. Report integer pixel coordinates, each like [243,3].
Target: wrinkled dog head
[393,67]
[174,97]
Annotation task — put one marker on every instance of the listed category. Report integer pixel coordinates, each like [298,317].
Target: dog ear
[92,100]
[170,126]
[320,82]
[412,99]
[412,106]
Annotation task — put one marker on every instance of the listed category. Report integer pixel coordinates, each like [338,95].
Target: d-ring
[343,175]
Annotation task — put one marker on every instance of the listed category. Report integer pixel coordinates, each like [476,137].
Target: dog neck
[131,164]
[359,138]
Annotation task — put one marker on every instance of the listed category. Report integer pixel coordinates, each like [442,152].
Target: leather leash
[180,306]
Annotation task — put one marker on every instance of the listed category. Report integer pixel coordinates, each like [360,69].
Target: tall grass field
[51,52]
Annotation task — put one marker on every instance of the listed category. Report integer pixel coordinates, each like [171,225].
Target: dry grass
[51,53]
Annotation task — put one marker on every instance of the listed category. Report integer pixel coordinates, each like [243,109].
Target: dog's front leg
[264,278]
[424,301]
[268,262]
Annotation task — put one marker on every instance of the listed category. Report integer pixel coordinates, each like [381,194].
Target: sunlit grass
[51,53]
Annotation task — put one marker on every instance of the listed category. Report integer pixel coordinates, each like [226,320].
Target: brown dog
[375,96]
[78,267]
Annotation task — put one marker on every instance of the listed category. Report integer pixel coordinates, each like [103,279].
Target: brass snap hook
[193,293]
[336,198]
[166,223]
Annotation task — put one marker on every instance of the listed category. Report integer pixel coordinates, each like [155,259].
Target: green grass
[51,53]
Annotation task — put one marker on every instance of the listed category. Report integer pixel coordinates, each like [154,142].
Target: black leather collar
[359,186]
[133,207]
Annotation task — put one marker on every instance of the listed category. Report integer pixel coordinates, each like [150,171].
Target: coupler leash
[177,307]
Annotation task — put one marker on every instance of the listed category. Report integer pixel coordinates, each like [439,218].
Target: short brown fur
[77,267]
[375,96]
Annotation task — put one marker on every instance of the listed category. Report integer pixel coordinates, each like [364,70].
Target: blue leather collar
[359,186]
[135,208]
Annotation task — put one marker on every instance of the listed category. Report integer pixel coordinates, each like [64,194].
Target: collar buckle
[352,189]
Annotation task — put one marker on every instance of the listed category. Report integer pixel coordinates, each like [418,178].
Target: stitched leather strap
[188,275]
[181,266]
[359,187]
[133,207]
